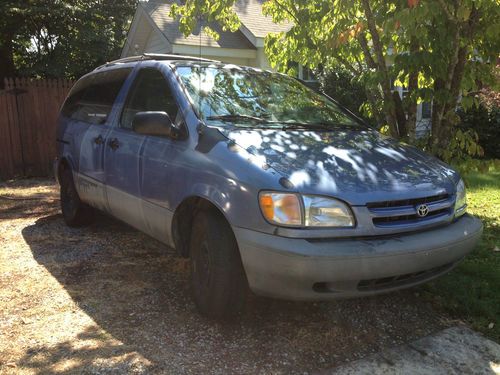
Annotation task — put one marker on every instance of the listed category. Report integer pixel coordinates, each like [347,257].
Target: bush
[342,86]
[484,119]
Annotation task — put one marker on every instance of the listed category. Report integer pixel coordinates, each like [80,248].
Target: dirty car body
[320,205]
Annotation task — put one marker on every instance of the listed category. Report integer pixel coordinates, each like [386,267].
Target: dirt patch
[109,299]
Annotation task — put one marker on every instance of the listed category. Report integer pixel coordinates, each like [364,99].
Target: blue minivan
[265,184]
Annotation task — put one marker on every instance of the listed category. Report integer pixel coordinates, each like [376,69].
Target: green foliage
[440,50]
[463,145]
[192,11]
[348,91]
[54,38]
[485,120]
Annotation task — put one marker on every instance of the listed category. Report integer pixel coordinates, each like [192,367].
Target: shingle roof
[159,13]
[249,12]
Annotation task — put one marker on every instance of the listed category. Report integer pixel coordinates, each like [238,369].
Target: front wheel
[217,276]
[75,212]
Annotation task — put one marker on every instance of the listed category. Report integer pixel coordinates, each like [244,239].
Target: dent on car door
[90,106]
[131,156]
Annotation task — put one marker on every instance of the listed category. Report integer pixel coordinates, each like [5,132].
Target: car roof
[155,57]
[174,60]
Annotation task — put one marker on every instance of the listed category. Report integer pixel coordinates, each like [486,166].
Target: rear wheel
[75,212]
[217,276]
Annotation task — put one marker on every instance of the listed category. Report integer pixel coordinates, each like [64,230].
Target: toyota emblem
[422,210]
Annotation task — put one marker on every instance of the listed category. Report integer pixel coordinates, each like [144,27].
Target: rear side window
[92,98]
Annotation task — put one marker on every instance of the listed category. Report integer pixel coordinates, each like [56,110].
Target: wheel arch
[184,215]
[62,165]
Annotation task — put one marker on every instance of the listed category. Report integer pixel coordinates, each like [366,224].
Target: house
[154,31]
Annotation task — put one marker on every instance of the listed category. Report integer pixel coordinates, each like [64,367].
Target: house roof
[250,14]
[249,11]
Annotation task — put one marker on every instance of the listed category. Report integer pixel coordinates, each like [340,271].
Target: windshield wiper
[283,125]
[305,125]
[315,126]
[238,117]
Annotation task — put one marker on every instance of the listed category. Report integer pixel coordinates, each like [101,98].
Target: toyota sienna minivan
[266,185]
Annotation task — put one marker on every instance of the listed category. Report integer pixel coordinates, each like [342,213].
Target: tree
[348,90]
[440,50]
[61,38]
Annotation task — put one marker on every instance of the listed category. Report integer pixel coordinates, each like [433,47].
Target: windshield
[250,97]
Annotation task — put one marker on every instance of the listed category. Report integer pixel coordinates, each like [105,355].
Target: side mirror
[153,123]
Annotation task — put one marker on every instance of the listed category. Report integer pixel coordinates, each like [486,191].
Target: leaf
[413,3]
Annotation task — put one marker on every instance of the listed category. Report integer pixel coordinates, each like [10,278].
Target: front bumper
[301,269]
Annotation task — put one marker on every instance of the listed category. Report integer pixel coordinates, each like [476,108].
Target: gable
[250,14]
[159,12]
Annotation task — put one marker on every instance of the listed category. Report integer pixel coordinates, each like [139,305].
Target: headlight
[461,201]
[304,210]
[284,209]
[326,212]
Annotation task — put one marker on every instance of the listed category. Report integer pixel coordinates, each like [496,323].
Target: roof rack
[155,56]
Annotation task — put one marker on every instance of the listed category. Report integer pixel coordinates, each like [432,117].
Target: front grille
[400,280]
[409,218]
[397,213]
[407,202]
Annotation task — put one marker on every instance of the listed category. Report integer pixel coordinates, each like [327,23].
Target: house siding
[157,43]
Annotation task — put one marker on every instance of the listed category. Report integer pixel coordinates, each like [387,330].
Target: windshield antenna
[200,127]
[201,29]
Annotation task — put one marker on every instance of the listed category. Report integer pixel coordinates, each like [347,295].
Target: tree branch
[347,64]
[366,51]
[285,9]
[449,15]
[381,64]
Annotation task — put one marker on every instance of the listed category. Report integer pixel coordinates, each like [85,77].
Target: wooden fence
[28,114]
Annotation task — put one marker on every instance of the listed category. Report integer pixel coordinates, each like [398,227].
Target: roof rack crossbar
[155,56]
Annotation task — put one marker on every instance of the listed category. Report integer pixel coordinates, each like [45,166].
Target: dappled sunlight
[300,134]
[91,349]
[495,367]
[300,178]
[124,305]
[391,153]
[340,162]
[325,180]
[109,299]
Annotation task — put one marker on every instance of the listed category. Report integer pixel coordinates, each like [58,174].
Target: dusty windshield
[253,98]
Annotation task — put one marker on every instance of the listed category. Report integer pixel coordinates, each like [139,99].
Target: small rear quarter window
[92,97]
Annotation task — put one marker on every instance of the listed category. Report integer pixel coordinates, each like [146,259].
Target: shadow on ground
[136,290]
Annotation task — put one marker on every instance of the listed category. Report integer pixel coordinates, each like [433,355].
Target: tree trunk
[456,70]
[400,115]
[373,99]
[440,129]
[389,106]
[410,103]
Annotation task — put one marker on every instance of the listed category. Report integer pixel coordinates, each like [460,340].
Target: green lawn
[472,291]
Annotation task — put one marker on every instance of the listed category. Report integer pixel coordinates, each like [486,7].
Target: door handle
[99,140]
[114,144]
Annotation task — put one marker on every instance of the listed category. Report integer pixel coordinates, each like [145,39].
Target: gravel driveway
[109,299]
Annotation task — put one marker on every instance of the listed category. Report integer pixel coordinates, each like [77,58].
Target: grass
[472,291]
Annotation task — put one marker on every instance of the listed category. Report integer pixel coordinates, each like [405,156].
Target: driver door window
[149,93]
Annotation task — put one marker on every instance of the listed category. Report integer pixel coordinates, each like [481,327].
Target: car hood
[358,166]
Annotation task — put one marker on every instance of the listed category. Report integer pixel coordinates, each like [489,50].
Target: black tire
[218,279]
[75,212]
